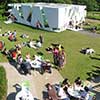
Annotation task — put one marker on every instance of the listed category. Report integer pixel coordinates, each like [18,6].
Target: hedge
[3,84]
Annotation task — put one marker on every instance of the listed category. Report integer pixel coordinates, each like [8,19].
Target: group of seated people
[66,91]
[15,54]
[25,65]
[11,35]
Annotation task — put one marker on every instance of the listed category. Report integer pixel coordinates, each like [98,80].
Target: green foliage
[2,6]
[91,4]
[3,84]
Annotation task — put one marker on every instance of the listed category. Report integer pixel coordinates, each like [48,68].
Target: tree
[3,5]
[91,4]
[98,2]
[54,1]
[68,1]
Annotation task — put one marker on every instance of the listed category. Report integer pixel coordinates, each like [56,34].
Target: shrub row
[3,84]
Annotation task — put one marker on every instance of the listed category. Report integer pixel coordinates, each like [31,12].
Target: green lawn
[77,63]
[3,84]
[93,15]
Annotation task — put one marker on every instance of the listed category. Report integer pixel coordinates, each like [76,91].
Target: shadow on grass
[94,58]
[94,75]
[97,94]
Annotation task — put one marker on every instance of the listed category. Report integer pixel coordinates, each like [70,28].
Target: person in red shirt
[14,54]
[1,45]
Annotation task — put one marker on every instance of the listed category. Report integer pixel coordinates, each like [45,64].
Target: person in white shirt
[62,94]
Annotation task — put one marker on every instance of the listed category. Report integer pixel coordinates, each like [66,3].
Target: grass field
[77,63]
[93,15]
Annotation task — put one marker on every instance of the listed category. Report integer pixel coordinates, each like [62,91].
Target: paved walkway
[89,33]
[37,81]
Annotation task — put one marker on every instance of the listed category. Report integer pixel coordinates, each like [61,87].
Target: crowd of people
[24,65]
[63,90]
[59,56]
[81,90]
[11,35]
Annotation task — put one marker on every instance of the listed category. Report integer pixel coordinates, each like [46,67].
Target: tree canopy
[92,5]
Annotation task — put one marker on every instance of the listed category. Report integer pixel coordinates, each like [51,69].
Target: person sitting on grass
[2,44]
[86,94]
[41,39]
[65,84]
[46,65]
[90,51]
[87,51]
[15,33]
[24,36]
[18,50]
[62,94]
[19,61]
[13,54]
[78,84]
[28,58]
[38,44]
[12,37]
[49,49]
[32,44]
[26,68]
[5,51]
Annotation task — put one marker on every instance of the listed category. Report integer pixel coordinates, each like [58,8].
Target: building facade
[49,16]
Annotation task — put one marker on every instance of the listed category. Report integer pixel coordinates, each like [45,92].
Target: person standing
[41,39]
[14,33]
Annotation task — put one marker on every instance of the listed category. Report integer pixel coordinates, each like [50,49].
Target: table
[24,94]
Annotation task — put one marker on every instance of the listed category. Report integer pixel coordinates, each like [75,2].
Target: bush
[3,84]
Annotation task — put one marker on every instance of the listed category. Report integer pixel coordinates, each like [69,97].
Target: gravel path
[37,81]
[89,33]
